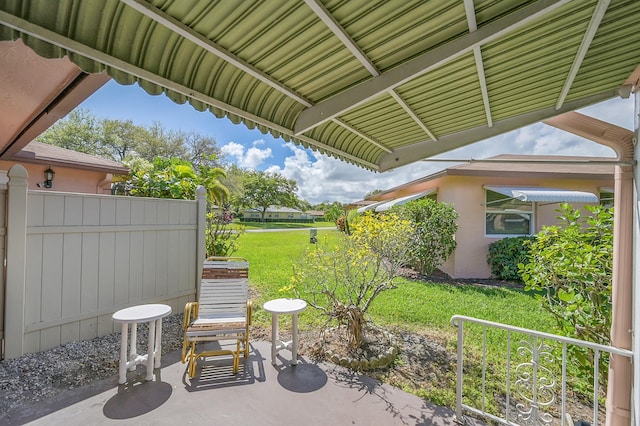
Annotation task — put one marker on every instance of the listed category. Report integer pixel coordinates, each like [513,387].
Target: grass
[280,225]
[419,306]
[414,304]
[271,256]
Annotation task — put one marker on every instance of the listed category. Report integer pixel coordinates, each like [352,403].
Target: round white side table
[279,307]
[153,314]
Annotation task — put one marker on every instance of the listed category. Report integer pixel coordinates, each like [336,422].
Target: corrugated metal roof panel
[279,67]
[347,140]
[455,82]
[384,127]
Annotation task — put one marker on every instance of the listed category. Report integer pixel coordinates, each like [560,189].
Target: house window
[507,216]
[606,197]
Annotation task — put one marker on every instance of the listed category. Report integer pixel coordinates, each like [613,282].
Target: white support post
[201,251]
[16,250]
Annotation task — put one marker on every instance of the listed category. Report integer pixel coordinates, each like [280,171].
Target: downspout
[622,142]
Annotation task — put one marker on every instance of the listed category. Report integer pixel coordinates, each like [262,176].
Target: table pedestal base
[277,345]
[130,318]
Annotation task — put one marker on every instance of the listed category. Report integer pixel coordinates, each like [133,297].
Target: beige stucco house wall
[74,171]
[464,188]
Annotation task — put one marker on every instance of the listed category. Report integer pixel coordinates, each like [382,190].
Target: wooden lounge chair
[223,311]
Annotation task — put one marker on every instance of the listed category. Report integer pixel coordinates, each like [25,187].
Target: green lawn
[270,256]
[421,306]
[280,225]
[414,304]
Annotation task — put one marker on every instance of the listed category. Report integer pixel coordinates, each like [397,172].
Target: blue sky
[320,178]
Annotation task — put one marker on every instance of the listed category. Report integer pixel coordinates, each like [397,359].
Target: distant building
[276,214]
[316,214]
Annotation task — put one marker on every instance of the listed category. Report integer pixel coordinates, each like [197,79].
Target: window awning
[402,200]
[548,195]
[370,206]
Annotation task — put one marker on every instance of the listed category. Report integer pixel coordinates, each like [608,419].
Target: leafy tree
[262,190]
[372,193]
[333,211]
[435,225]
[570,268]
[234,182]
[161,142]
[80,131]
[343,281]
[174,178]
[122,140]
[163,178]
[201,150]
[303,205]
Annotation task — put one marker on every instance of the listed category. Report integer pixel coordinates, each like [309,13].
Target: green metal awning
[377,83]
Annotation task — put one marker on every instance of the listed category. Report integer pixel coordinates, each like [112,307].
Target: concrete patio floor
[260,394]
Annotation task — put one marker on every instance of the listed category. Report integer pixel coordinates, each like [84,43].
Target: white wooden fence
[74,259]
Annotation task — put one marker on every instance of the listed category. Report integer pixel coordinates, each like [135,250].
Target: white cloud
[251,158]
[322,178]
[254,157]
[233,149]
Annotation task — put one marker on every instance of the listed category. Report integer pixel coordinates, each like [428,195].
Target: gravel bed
[35,377]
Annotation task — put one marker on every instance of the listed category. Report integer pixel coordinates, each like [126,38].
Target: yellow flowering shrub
[343,280]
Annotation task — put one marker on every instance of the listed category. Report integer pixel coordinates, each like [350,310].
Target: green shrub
[220,239]
[506,254]
[571,266]
[435,225]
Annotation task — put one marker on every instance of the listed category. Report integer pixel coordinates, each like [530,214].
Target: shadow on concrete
[217,372]
[137,398]
[428,414]
[301,378]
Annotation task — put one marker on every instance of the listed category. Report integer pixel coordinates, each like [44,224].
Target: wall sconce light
[48,177]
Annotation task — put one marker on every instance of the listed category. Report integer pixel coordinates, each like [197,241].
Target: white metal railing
[531,397]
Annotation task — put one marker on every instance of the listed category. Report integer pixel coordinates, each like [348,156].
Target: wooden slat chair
[223,311]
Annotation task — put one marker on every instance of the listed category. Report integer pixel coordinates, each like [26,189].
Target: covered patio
[309,393]
[377,85]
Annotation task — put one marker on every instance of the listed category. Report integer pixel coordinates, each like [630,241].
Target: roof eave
[533,174]
[69,164]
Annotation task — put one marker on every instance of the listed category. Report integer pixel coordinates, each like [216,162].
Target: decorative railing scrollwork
[535,384]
